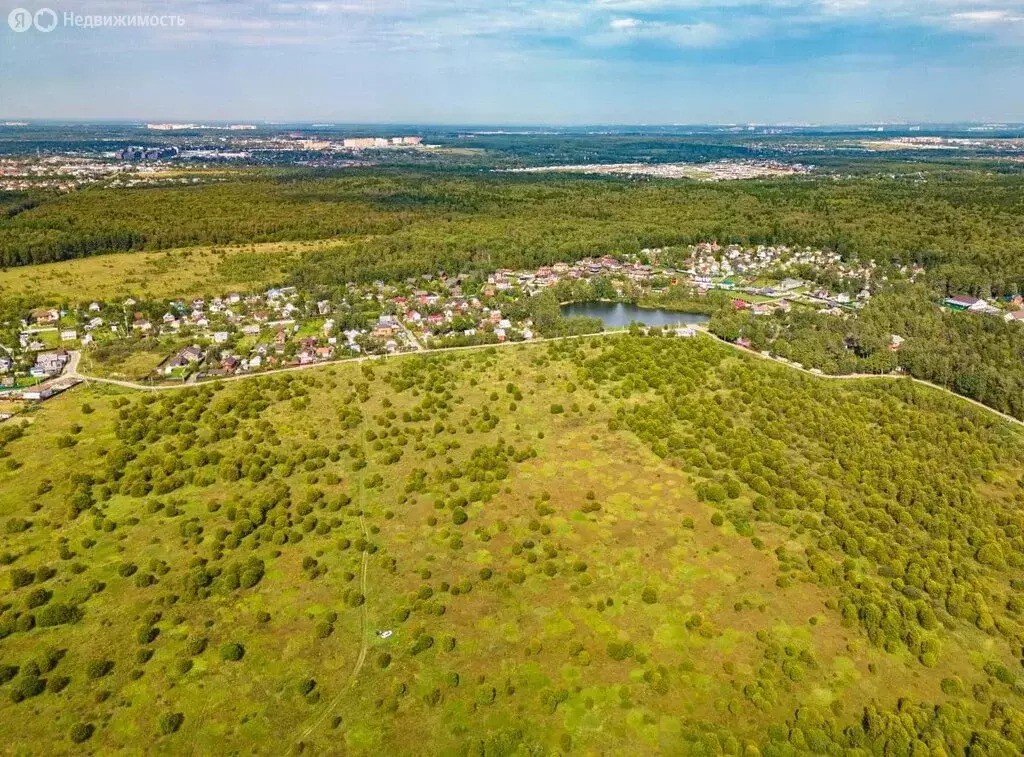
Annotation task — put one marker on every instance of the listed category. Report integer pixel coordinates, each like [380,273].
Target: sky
[517,61]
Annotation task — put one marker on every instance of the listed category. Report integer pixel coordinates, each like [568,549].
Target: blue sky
[524,61]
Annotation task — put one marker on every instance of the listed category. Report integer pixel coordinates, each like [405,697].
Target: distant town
[721,170]
[156,165]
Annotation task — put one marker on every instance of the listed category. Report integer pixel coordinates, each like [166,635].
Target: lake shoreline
[615,314]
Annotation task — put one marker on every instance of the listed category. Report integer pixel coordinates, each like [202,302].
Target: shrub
[422,644]
[148,635]
[459,516]
[28,686]
[232,652]
[81,732]
[38,597]
[717,519]
[383,660]
[649,595]
[21,577]
[99,668]
[952,686]
[620,650]
[170,722]
[127,569]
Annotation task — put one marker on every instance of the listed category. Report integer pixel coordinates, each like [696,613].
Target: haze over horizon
[567,62]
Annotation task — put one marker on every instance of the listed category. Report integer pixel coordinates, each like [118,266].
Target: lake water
[619,314]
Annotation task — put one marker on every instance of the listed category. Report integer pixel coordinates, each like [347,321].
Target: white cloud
[511,24]
[986,17]
[630,30]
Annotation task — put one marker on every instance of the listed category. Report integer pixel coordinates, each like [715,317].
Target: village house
[183,359]
[45,316]
[965,302]
[50,363]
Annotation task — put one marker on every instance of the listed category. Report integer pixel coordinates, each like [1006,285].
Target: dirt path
[865,376]
[363,630]
[364,572]
[72,370]
[313,366]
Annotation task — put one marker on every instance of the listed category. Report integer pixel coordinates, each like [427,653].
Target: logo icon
[20,20]
[46,19]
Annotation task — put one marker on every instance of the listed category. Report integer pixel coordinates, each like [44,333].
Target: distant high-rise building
[360,143]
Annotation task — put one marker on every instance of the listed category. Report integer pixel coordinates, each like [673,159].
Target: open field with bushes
[190,271]
[605,545]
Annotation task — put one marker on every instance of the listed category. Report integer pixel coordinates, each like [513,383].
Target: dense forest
[967,228]
[978,356]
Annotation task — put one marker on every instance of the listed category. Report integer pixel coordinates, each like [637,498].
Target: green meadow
[638,545]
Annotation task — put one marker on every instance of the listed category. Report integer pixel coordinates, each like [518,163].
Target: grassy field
[187,272]
[557,574]
[136,367]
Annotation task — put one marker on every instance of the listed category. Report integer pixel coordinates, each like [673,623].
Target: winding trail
[72,369]
[363,576]
[865,376]
[363,588]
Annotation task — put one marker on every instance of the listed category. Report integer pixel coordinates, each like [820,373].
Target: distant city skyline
[535,62]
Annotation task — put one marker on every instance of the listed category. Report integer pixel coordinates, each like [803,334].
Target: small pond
[620,314]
